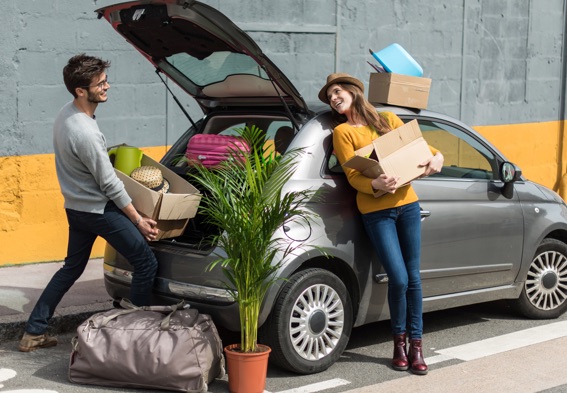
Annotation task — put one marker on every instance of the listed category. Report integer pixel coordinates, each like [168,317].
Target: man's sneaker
[31,342]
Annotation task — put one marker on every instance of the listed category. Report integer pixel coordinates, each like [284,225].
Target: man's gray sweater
[85,174]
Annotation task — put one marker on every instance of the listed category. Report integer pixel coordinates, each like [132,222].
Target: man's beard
[94,98]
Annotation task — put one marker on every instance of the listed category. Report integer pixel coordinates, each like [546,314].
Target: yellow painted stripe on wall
[534,147]
[33,226]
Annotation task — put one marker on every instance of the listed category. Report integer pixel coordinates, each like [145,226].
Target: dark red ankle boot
[415,356]
[400,359]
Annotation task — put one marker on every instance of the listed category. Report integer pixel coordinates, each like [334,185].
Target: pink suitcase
[211,149]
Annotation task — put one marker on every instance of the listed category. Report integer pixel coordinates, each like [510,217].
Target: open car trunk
[279,133]
[204,52]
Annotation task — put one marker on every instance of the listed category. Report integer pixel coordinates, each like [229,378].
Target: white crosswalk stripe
[503,343]
[466,352]
[316,387]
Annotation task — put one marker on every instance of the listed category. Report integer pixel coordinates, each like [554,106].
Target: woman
[392,221]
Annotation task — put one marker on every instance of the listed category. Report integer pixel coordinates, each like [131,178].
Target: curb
[65,320]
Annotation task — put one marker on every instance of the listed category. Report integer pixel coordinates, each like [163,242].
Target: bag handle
[129,308]
[127,304]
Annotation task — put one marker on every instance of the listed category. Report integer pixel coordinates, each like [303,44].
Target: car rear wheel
[310,324]
[544,295]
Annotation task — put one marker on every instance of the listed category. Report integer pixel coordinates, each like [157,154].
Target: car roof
[320,109]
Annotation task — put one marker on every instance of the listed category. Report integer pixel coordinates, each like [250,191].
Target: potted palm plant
[244,198]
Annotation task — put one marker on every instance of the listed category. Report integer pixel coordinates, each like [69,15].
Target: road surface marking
[317,387]
[468,352]
[7,373]
[503,343]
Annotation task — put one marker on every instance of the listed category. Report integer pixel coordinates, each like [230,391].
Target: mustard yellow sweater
[347,139]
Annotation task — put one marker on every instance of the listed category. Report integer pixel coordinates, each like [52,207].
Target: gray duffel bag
[156,347]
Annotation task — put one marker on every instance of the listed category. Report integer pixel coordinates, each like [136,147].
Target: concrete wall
[497,65]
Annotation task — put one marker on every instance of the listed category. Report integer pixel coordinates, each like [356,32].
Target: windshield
[216,67]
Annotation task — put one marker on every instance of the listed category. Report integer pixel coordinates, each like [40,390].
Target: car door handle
[425,214]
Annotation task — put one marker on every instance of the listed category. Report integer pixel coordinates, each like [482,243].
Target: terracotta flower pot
[246,371]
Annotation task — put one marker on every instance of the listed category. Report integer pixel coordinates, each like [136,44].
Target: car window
[216,67]
[279,131]
[232,130]
[275,126]
[465,157]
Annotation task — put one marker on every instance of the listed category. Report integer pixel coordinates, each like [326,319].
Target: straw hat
[338,77]
[151,177]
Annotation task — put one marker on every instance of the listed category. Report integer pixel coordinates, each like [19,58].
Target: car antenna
[175,98]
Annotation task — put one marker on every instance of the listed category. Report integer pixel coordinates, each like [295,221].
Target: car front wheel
[544,295]
[310,324]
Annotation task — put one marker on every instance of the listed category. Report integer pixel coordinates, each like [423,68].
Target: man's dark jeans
[84,228]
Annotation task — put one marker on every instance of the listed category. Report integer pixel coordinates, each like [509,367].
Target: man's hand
[148,228]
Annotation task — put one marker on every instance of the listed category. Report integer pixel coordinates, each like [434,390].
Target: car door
[472,234]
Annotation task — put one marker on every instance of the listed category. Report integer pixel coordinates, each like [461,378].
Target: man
[96,202]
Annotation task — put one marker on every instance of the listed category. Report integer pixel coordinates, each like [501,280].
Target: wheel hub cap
[549,280]
[316,322]
[546,285]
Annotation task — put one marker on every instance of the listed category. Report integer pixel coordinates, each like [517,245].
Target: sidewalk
[21,286]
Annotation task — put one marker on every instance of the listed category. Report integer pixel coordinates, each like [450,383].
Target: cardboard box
[172,210]
[397,153]
[398,89]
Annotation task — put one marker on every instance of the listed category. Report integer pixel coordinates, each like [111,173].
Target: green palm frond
[244,197]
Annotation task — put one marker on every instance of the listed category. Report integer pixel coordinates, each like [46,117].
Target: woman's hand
[433,165]
[385,183]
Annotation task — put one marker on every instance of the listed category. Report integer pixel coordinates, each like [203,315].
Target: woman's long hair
[362,110]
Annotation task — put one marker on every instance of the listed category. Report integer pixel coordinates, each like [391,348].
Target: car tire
[310,323]
[544,292]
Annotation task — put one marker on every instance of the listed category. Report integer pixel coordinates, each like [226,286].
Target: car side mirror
[509,173]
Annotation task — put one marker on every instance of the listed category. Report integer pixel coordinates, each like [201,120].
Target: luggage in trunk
[212,149]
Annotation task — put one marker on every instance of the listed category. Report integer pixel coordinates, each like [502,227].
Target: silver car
[488,233]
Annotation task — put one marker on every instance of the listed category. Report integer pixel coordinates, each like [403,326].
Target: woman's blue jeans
[396,236]
[117,229]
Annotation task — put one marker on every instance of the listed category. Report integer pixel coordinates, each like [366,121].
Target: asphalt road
[505,353]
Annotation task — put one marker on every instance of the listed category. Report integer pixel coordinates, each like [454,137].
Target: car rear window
[216,67]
